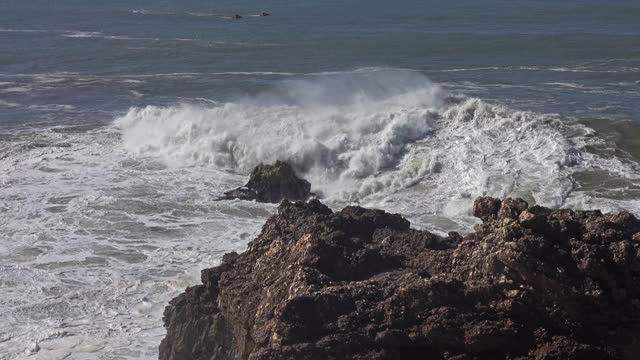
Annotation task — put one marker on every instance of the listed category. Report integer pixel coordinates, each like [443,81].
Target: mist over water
[349,125]
[121,123]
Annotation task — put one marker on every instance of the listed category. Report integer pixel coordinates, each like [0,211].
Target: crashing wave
[370,133]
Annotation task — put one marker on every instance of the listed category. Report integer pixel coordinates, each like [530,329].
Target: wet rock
[529,283]
[511,208]
[486,208]
[272,184]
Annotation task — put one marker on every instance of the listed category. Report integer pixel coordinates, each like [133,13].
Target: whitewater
[372,135]
[108,223]
[122,122]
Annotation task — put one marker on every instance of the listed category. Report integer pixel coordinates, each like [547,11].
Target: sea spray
[392,139]
[367,134]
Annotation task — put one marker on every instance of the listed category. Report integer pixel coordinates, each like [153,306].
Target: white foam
[470,69]
[52,107]
[149,12]
[103,227]
[202,14]
[369,136]
[123,37]
[22,30]
[132,81]
[573,85]
[367,70]
[581,70]
[356,137]
[9,104]
[96,242]
[20,89]
[99,35]
[82,34]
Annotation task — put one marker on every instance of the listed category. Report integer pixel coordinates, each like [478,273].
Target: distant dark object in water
[236,16]
[265,14]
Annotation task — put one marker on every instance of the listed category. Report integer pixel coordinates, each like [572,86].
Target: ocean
[122,121]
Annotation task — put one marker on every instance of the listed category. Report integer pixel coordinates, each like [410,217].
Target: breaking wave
[368,134]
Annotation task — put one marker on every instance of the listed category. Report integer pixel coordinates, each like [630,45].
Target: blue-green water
[571,57]
[121,122]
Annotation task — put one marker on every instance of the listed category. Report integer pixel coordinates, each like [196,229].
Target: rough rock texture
[272,184]
[529,283]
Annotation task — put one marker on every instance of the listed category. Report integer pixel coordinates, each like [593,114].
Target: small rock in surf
[272,184]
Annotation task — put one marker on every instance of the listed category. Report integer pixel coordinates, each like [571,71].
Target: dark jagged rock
[486,208]
[272,184]
[529,283]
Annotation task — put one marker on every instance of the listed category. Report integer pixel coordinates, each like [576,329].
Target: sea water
[122,121]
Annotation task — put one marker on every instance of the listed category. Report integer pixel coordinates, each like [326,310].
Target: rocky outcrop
[272,184]
[528,283]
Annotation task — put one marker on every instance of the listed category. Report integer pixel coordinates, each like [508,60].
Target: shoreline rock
[528,283]
[272,184]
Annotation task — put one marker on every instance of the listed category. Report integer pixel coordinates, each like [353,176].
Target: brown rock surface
[529,283]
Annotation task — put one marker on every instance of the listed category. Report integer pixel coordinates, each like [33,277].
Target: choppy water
[120,122]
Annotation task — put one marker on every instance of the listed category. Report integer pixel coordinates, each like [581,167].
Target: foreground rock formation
[529,283]
[272,184]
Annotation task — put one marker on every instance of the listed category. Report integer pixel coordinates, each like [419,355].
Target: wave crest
[366,133]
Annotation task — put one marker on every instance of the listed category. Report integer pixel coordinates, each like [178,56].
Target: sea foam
[365,135]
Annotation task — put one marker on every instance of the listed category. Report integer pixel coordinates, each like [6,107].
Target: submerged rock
[272,184]
[529,283]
